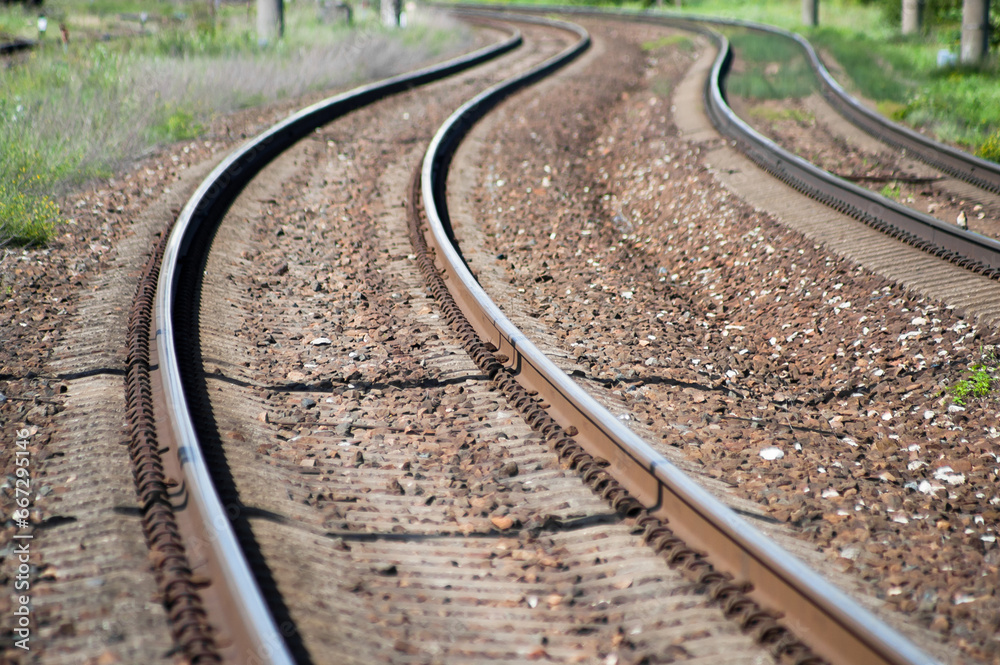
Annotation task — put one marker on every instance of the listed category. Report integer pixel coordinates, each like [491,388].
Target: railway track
[354,479]
[723,330]
[844,634]
[249,624]
[561,553]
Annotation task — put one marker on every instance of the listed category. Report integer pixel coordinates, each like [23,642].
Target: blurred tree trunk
[810,12]
[270,20]
[975,30]
[391,10]
[912,16]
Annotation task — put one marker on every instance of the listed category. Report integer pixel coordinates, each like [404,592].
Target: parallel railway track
[619,465]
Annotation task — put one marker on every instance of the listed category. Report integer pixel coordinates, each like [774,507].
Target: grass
[29,215]
[891,190]
[980,379]
[772,115]
[680,41]
[959,105]
[990,149]
[900,74]
[769,68]
[68,116]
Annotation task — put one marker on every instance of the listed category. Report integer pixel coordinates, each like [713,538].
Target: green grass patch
[891,190]
[990,149]
[678,41]
[981,379]
[959,105]
[773,115]
[179,125]
[70,115]
[899,74]
[768,68]
[28,216]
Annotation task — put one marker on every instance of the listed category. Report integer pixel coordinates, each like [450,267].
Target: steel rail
[827,620]
[202,213]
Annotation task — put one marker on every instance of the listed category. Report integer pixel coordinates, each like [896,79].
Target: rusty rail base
[189,625]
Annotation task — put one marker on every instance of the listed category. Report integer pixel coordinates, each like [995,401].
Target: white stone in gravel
[887,415]
[955,408]
[829,493]
[772,453]
[927,487]
[928,415]
[650,362]
[627,295]
[948,475]
[321,341]
[919,321]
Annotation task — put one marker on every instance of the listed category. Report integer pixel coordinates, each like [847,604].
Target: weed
[680,41]
[773,115]
[890,109]
[179,125]
[891,190]
[28,216]
[981,378]
[990,149]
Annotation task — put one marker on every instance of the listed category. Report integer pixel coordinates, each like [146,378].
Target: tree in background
[912,16]
[975,30]
[810,12]
[270,20]
[941,15]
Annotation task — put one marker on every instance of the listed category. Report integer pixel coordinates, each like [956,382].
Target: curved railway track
[624,469]
[248,618]
[386,489]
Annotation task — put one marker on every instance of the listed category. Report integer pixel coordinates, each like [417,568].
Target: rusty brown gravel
[810,386]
